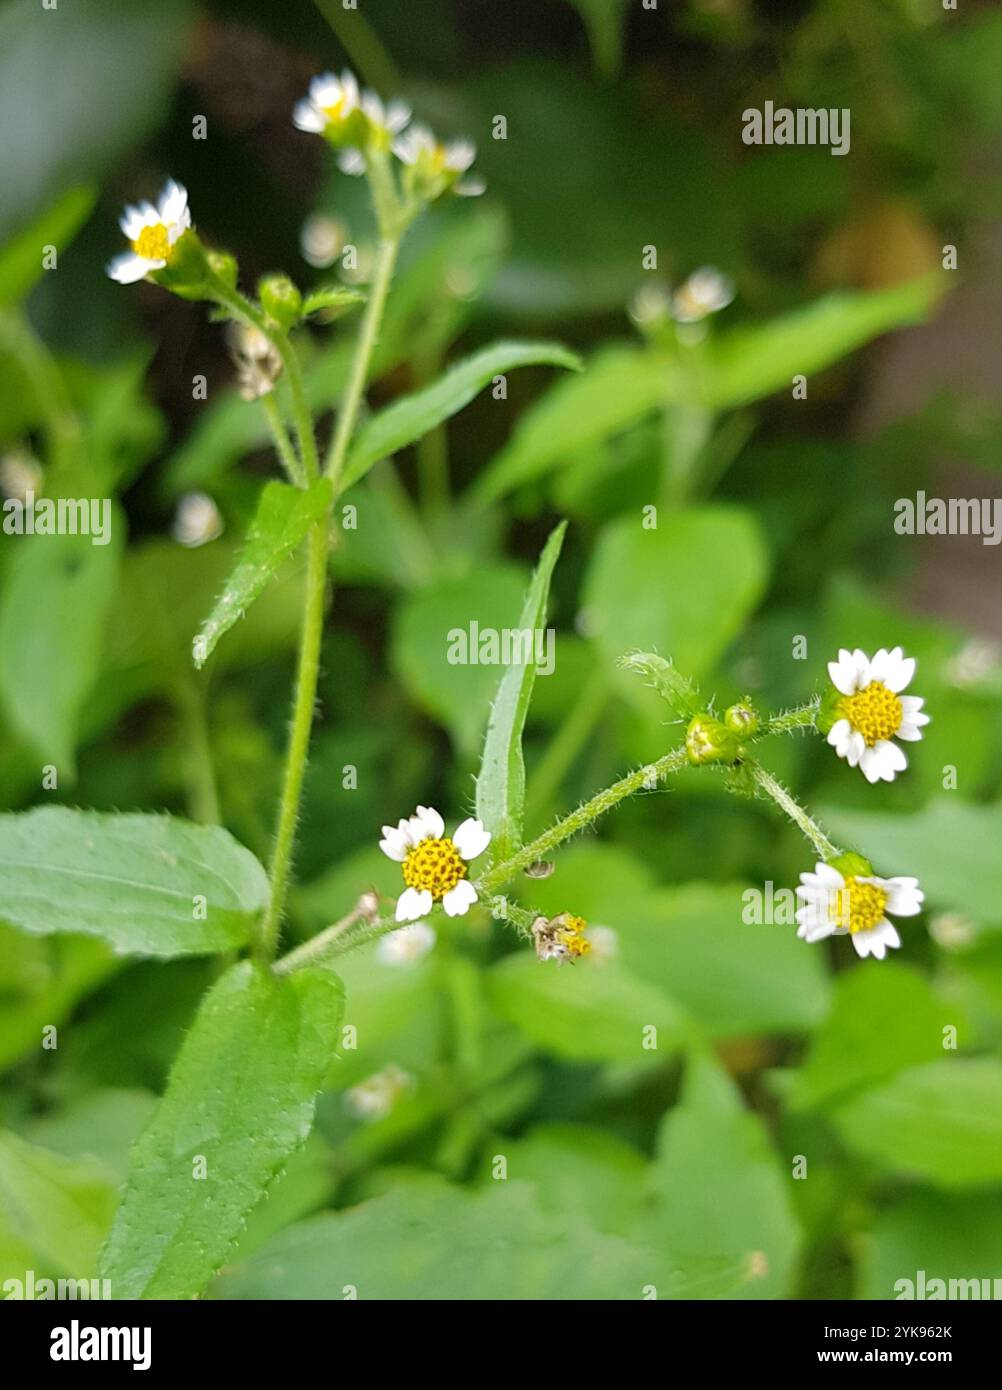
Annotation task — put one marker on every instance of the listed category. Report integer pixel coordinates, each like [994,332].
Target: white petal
[911,704]
[838,735]
[128,267]
[900,670]
[460,899]
[351,162]
[413,903]
[842,673]
[824,876]
[904,896]
[395,844]
[426,824]
[173,202]
[910,730]
[815,931]
[471,838]
[876,940]
[305,116]
[398,113]
[325,89]
[882,761]
[856,748]
[470,188]
[460,155]
[880,664]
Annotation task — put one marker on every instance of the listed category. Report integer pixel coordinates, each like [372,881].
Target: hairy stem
[804,823]
[283,444]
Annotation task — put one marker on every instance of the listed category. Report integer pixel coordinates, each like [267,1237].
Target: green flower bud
[707,740]
[224,265]
[852,865]
[280,300]
[742,718]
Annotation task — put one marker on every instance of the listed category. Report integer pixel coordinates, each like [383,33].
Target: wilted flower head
[256,359]
[706,291]
[196,520]
[153,234]
[560,938]
[437,168]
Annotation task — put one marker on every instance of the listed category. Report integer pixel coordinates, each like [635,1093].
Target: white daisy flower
[406,946]
[835,904]
[439,166]
[706,292]
[434,866]
[872,711]
[375,1097]
[197,520]
[153,233]
[331,103]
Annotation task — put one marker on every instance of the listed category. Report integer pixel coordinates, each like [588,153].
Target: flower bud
[280,299]
[852,865]
[707,740]
[742,718]
[222,264]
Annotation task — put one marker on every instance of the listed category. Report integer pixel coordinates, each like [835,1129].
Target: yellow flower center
[572,935]
[153,243]
[434,865]
[336,112]
[876,712]
[858,906]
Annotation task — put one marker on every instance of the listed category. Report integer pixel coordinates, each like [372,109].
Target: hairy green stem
[307,674]
[283,444]
[808,827]
[301,416]
[357,377]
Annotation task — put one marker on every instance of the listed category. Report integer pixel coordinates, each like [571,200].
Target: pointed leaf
[501,783]
[239,1103]
[283,517]
[412,417]
[135,881]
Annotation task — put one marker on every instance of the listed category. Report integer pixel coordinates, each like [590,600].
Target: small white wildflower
[321,240]
[836,904]
[153,232]
[872,711]
[706,292]
[977,661]
[434,866]
[375,1097]
[330,105]
[604,943]
[406,946]
[438,167]
[20,475]
[952,930]
[197,520]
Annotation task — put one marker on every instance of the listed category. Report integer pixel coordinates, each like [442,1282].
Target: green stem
[589,811]
[808,827]
[803,717]
[307,675]
[203,799]
[368,335]
[301,416]
[59,421]
[283,444]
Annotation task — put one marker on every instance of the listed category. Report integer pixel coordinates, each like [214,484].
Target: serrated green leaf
[501,781]
[240,1097]
[283,517]
[663,676]
[136,881]
[412,417]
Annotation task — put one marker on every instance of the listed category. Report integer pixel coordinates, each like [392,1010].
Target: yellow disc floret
[153,243]
[435,866]
[876,712]
[858,906]
[572,935]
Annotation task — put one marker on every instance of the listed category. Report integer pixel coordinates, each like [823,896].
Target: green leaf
[941,1122]
[879,1024]
[594,1010]
[685,588]
[580,1170]
[136,881]
[950,844]
[53,609]
[241,1097]
[58,1208]
[335,300]
[720,1186]
[679,693]
[501,782]
[619,386]
[750,362]
[283,517]
[435,646]
[429,1240]
[411,418]
[21,259]
[66,969]
[605,21]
